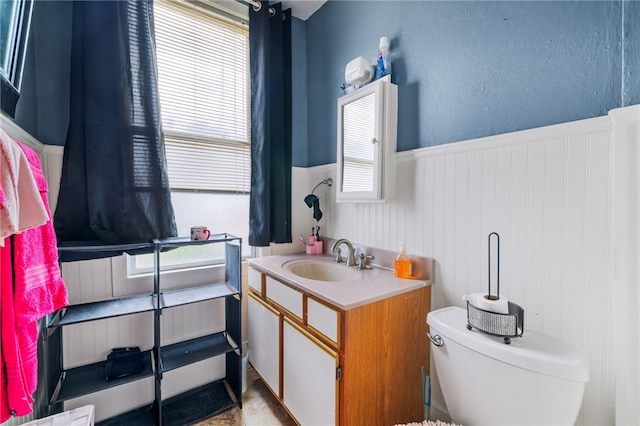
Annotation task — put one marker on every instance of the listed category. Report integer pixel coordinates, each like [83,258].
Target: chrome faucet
[362,261]
[351,257]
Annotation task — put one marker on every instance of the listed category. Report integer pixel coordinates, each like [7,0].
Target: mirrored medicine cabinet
[367,131]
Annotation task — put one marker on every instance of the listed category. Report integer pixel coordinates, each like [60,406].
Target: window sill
[125,285]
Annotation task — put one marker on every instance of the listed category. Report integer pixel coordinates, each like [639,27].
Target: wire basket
[502,325]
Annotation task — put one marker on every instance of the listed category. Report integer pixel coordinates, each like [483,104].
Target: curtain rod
[257,5]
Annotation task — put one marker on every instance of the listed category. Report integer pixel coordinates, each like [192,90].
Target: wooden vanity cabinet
[384,349]
[362,365]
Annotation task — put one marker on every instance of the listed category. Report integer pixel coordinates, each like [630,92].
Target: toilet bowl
[535,380]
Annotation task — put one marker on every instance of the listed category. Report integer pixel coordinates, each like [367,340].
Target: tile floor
[259,408]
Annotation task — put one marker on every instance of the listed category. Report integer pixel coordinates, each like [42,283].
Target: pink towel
[22,207]
[38,286]
[30,288]
[15,397]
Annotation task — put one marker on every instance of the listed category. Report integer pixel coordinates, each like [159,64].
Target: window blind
[203,82]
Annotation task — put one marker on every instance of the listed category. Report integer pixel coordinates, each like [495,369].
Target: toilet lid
[533,351]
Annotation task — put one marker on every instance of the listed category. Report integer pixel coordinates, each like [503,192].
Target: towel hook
[328,182]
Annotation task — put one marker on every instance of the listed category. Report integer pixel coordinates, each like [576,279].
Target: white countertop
[370,286]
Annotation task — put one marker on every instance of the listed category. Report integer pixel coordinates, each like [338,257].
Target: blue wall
[464,69]
[473,69]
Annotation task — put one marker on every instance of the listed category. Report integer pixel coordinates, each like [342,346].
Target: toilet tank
[536,380]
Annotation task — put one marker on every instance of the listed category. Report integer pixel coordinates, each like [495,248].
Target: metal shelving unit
[186,408]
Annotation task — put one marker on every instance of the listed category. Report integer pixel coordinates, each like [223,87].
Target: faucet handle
[339,258]
[362,260]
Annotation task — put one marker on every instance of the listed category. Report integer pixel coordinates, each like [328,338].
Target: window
[203,80]
[15,17]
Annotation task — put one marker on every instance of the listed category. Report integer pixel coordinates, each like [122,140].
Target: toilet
[535,380]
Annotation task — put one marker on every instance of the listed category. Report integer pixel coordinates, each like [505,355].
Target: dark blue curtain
[114,186]
[270,50]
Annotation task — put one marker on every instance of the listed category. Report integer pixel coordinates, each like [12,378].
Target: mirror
[367,143]
[359,153]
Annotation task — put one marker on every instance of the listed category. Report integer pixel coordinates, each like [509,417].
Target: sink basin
[322,271]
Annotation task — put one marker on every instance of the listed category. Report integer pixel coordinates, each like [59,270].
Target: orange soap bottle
[403,265]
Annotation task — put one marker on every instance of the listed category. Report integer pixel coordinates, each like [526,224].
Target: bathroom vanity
[337,345]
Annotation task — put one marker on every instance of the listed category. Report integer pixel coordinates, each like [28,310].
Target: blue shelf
[142,416]
[170,243]
[189,351]
[196,294]
[197,404]
[75,314]
[185,409]
[90,378]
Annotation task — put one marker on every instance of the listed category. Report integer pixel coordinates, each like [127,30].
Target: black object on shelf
[122,362]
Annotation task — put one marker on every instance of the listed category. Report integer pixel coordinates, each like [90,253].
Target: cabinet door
[264,342]
[310,387]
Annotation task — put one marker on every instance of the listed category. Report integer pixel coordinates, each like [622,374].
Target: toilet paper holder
[506,325]
[502,325]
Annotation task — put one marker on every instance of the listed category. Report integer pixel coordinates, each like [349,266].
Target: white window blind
[203,83]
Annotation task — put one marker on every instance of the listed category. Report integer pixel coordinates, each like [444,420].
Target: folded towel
[38,286]
[36,168]
[22,207]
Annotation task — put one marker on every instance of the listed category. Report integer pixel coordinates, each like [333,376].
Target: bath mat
[429,423]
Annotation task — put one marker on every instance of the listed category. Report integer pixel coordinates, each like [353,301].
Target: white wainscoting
[50,156]
[549,193]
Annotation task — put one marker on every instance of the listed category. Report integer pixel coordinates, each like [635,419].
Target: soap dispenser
[403,266]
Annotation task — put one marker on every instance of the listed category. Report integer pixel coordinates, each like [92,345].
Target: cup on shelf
[200,233]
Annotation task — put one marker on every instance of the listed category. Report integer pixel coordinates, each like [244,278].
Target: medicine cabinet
[367,131]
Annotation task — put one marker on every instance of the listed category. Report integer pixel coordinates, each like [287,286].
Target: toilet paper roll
[480,300]
[500,306]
